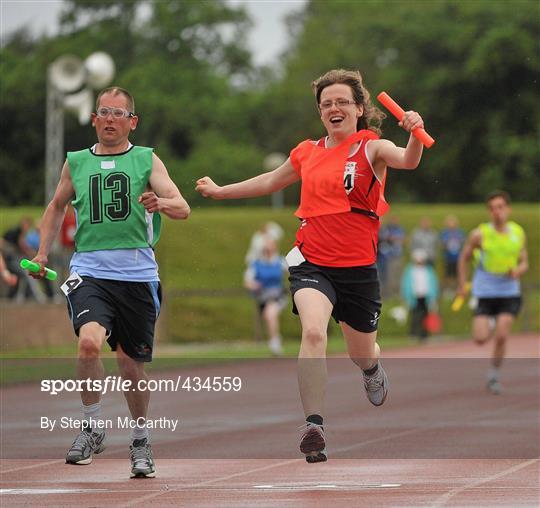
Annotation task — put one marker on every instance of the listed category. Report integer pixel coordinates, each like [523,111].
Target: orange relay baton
[394,108]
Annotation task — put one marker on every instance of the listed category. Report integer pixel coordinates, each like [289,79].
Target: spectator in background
[14,241]
[68,229]
[452,238]
[67,240]
[9,278]
[390,255]
[420,290]
[270,230]
[425,238]
[15,247]
[264,278]
[32,240]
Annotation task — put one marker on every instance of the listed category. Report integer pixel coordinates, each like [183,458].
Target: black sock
[373,369]
[317,419]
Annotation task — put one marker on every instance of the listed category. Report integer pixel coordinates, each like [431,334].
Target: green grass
[202,263]
[207,251]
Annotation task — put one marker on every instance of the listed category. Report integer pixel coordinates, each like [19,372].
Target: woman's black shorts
[354,292]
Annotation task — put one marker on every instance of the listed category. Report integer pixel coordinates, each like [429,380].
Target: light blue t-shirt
[133,265]
[492,285]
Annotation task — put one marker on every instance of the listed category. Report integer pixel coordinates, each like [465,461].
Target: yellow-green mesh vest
[500,252]
[106,191]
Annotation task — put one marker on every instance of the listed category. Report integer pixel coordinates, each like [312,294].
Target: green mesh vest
[106,191]
[500,252]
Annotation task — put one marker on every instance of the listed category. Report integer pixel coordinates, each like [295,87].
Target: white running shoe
[85,445]
[274,344]
[494,387]
[376,386]
[142,462]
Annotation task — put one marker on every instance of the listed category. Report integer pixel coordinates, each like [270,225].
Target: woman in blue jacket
[420,291]
[264,278]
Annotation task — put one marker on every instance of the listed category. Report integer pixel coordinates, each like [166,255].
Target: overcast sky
[267,39]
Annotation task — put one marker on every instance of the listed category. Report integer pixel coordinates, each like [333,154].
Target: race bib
[294,257]
[348,176]
[72,282]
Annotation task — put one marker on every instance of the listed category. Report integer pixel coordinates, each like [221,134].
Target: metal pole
[271,162]
[277,199]
[54,138]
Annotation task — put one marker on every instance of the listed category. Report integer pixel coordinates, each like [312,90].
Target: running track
[439,440]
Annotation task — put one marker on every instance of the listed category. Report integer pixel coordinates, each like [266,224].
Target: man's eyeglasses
[116,112]
[340,103]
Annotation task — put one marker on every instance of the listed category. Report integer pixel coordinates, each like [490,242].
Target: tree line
[470,68]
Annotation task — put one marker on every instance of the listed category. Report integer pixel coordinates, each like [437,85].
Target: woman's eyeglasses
[340,103]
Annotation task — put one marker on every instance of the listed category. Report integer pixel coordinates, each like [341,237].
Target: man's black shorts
[127,310]
[495,306]
[354,292]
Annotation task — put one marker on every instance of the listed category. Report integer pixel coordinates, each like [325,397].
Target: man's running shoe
[274,344]
[494,387]
[142,462]
[85,445]
[376,386]
[313,444]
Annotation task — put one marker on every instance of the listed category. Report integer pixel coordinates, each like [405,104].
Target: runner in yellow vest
[503,260]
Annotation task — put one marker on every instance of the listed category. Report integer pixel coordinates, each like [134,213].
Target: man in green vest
[502,261]
[118,191]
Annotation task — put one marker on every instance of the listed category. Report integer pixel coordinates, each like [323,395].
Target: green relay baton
[26,264]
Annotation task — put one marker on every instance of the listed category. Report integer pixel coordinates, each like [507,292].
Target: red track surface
[439,440]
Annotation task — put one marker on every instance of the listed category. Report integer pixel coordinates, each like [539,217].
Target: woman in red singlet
[332,265]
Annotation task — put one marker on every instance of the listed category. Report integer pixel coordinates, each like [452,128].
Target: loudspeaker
[67,73]
[99,70]
[274,160]
[80,103]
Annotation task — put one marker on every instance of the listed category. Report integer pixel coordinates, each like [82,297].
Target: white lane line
[31,466]
[25,492]
[213,480]
[442,500]
[422,428]
[295,487]
[341,487]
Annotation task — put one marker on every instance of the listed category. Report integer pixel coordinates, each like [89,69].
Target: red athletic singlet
[345,238]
